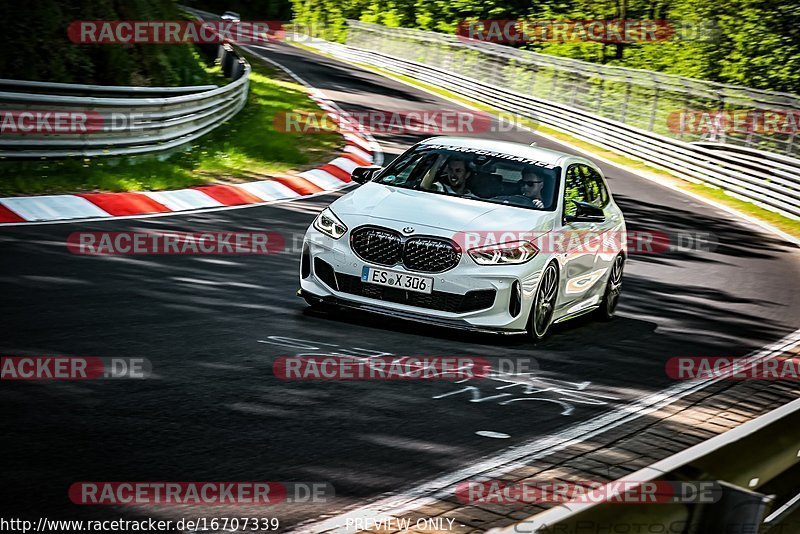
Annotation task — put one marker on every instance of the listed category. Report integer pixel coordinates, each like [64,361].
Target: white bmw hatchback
[471,233]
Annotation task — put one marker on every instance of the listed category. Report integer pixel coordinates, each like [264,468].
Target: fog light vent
[305,263]
[515,302]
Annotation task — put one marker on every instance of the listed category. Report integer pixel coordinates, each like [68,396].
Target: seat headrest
[486,185]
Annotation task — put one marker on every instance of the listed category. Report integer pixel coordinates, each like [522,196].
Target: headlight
[329,224]
[504,253]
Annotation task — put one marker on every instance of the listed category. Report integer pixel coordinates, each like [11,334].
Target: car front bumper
[331,272]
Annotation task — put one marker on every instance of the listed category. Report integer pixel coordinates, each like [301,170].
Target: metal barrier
[121,120]
[760,178]
[754,465]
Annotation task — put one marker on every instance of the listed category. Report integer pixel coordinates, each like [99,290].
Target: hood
[375,202]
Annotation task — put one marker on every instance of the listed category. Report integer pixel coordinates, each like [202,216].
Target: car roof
[545,155]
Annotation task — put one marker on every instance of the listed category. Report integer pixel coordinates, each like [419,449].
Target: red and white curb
[361,149]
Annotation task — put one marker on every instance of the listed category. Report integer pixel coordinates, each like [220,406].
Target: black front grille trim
[437,300]
[387,247]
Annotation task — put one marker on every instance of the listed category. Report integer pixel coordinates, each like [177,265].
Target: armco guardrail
[754,465]
[772,184]
[125,120]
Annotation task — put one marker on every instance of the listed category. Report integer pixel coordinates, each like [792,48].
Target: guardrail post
[718,134]
[598,107]
[228,61]
[627,99]
[686,108]
[737,507]
[574,92]
[653,111]
[553,85]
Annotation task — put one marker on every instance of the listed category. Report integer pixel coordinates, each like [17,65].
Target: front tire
[608,306]
[541,316]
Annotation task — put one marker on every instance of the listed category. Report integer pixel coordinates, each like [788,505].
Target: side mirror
[362,175]
[585,212]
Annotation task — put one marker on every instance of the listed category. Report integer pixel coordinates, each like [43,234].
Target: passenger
[455,181]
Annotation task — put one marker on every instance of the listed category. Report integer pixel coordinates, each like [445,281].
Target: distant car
[410,244]
[231,16]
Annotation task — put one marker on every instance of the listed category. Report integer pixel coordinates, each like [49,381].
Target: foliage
[40,49]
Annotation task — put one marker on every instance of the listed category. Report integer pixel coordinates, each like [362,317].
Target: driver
[455,179]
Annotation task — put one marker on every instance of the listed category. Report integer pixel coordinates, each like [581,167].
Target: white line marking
[491,434]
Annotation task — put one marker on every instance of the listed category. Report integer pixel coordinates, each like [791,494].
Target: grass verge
[785,224]
[246,148]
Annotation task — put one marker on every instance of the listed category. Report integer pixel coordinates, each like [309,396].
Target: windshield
[475,174]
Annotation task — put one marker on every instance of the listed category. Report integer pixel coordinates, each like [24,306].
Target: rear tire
[608,306]
[541,316]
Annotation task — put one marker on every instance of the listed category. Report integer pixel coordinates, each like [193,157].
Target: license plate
[409,282]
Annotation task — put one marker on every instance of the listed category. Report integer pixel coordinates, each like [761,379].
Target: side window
[574,189]
[408,168]
[595,188]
